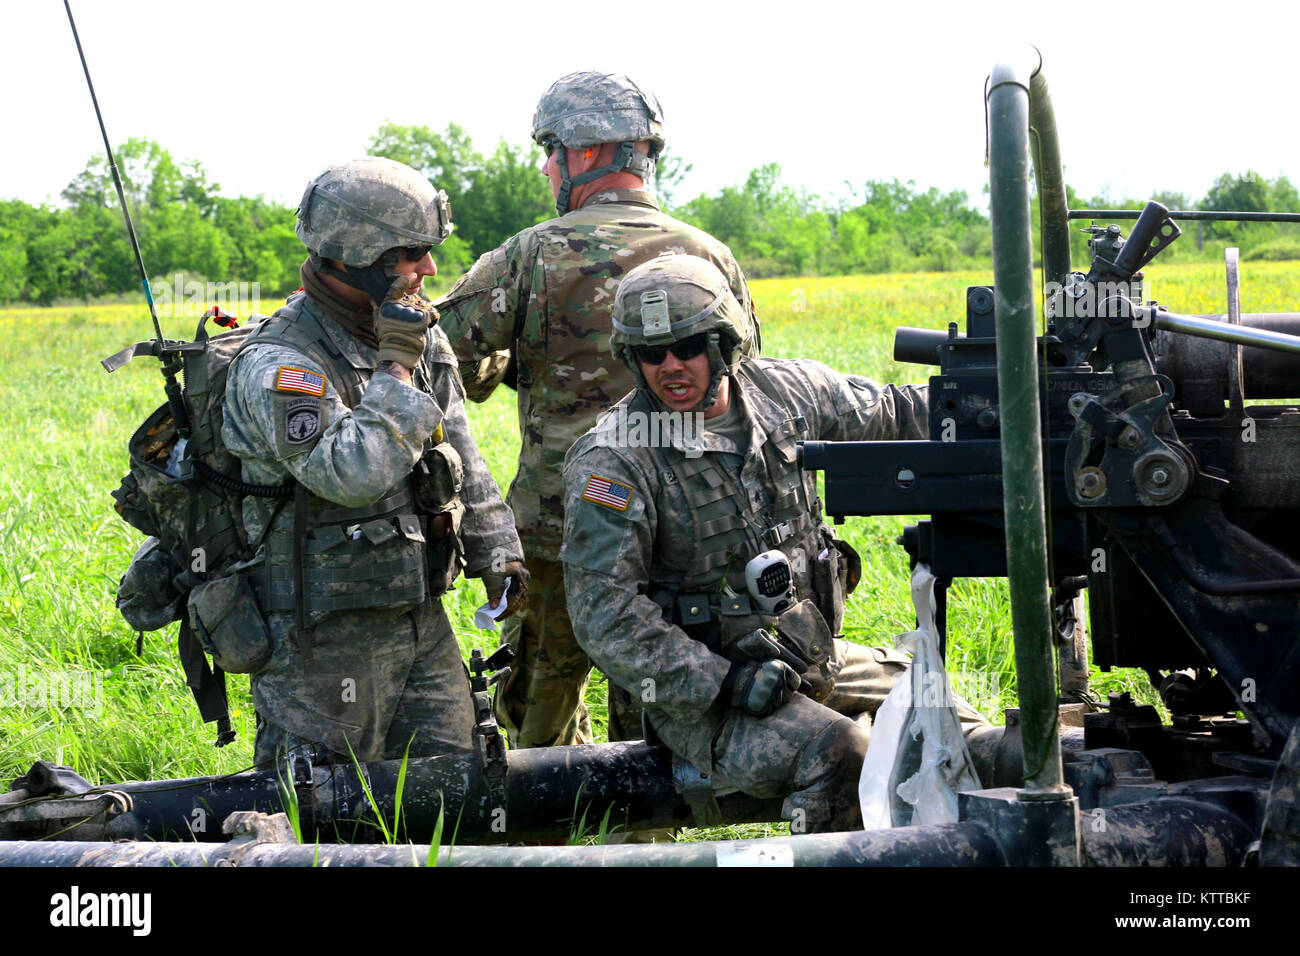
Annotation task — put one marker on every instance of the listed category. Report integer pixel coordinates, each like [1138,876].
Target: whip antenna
[170,361]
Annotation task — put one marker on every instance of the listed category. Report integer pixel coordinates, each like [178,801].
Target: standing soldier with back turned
[545,298]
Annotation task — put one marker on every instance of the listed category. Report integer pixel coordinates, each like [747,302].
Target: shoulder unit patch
[290,379]
[607,492]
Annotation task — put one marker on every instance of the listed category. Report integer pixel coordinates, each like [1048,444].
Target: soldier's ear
[592,157]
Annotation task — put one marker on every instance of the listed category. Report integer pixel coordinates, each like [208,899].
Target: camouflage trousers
[808,752]
[371,683]
[541,703]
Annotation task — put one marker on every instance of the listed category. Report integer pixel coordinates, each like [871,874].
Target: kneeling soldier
[700,574]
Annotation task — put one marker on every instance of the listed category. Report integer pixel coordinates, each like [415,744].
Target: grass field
[62,546]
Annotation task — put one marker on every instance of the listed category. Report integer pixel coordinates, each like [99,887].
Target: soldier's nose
[671,363]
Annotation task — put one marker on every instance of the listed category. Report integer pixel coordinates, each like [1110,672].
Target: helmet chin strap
[627,158]
[718,368]
[373,279]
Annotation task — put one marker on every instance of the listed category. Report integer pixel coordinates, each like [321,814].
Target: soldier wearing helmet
[535,312]
[350,393]
[751,685]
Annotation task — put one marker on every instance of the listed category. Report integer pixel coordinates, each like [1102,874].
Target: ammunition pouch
[437,480]
[351,559]
[226,620]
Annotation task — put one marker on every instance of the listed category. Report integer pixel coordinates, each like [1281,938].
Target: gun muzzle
[919,345]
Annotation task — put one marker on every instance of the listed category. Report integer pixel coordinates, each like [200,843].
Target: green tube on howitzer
[1052,208]
[1022,460]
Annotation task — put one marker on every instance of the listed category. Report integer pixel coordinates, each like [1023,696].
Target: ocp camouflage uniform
[647,570]
[377,667]
[547,294]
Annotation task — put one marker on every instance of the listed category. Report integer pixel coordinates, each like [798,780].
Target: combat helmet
[356,211]
[588,109]
[674,297]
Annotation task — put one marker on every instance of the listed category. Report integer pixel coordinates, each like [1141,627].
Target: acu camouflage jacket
[624,548]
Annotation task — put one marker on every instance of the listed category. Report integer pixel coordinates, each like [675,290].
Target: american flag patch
[611,494]
[292,379]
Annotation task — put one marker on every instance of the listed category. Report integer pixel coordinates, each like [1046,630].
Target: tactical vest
[708,597]
[390,554]
[394,553]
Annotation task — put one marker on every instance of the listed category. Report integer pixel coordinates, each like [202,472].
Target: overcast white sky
[264,94]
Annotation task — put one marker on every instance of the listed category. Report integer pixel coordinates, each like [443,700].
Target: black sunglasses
[683,351]
[416,253]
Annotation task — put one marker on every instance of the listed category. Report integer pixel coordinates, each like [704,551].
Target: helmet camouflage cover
[353,212]
[585,109]
[673,297]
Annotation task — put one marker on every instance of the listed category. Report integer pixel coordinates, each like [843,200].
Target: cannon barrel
[544,794]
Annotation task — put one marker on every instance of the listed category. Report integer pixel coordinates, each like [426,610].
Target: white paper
[485,618]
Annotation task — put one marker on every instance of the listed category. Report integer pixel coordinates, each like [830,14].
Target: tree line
[79,250]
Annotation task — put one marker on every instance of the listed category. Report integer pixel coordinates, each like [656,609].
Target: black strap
[206,683]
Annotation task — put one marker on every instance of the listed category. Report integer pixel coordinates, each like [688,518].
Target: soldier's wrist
[394,368]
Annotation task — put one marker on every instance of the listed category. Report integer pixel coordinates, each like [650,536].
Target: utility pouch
[225,618]
[445,550]
[803,631]
[439,475]
[147,595]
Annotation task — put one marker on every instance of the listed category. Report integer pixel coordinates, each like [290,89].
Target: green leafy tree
[492,197]
[507,193]
[670,170]
[13,264]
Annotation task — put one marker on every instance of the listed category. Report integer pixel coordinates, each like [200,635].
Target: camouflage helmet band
[664,332]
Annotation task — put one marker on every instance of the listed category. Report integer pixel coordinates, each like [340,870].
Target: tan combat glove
[494,582]
[402,324]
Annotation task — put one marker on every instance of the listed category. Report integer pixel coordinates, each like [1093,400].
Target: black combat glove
[494,582]
[402,324]
[760,687]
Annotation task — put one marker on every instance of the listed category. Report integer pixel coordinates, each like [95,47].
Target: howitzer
[1139,473]
[1114,430]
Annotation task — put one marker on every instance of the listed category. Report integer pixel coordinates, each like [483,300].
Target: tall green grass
[62,546]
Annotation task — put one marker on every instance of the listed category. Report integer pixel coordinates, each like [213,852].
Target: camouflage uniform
[546,294]
[648,569]
[380,667]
